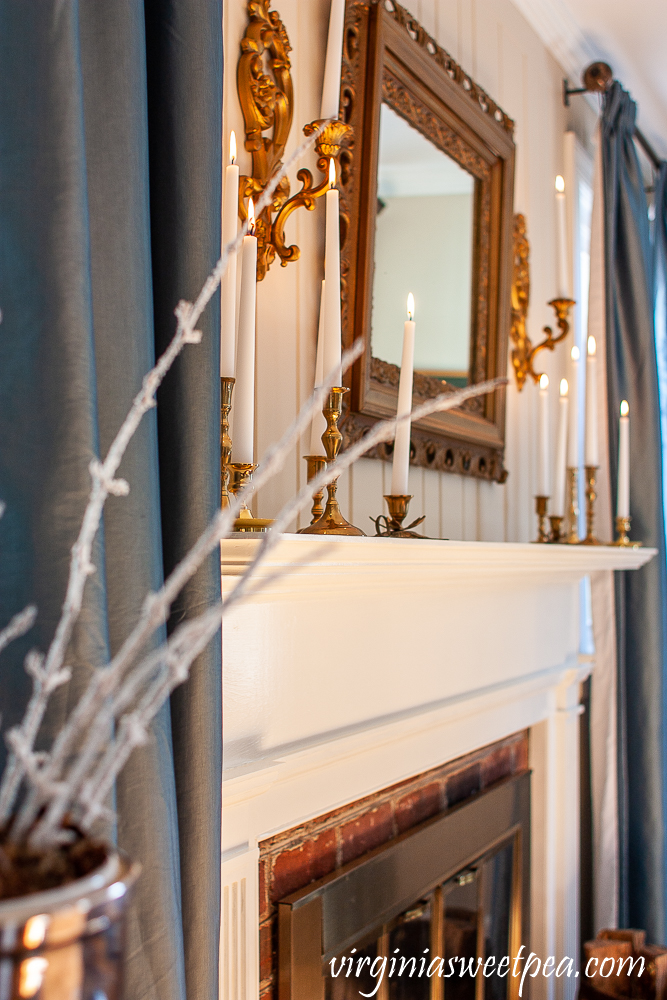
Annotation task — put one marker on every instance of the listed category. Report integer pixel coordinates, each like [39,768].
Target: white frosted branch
[104,483]
[18,626]
[94,713]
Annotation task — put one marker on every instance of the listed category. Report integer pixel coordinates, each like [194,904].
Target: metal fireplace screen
[435,914]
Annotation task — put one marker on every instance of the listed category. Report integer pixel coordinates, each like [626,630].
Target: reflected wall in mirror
[424,245]
[426,207]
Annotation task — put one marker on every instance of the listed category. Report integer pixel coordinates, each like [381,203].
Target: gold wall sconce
[267,102]
[523,351]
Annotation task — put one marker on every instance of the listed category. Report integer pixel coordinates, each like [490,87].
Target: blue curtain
[640,597]
[110,177]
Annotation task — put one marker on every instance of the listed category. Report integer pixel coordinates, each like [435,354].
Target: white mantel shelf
[325,563]
[364,661]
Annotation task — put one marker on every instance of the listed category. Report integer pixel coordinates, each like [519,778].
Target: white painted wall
[492,41]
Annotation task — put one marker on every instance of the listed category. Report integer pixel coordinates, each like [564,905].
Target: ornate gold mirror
[426,195]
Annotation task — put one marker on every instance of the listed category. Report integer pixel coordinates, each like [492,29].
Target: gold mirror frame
[388,57]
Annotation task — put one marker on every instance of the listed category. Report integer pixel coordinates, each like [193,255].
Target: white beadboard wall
[495,44]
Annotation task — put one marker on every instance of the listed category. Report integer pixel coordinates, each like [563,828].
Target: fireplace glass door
[450,944]
[437,914]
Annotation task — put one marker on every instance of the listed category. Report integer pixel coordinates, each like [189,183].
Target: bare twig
[93,714]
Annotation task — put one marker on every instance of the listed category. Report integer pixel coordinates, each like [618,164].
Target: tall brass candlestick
[572,537]
[226,390]
[332,521]
[623,540]
[591,497]
[541,504]
[316,464]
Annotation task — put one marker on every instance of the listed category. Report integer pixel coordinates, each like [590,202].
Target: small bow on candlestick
[385,527]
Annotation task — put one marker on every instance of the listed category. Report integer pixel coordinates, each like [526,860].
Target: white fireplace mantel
[364,661]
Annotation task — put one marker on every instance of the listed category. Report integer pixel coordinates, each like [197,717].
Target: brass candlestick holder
[623,534]
[332,521]
[240,476]
[572,537]
[316,464]
[591,497]
[392,526]
[556,526]
[541,504]
[226,390]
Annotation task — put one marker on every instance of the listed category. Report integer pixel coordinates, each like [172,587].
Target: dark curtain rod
[597,78]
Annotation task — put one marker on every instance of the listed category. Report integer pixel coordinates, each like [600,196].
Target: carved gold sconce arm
[523,351]
[267,102]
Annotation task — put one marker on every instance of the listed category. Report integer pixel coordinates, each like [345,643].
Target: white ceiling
[631,35]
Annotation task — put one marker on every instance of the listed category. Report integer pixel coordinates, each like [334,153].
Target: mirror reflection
[423,244]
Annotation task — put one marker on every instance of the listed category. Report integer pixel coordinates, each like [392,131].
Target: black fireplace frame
[323,919]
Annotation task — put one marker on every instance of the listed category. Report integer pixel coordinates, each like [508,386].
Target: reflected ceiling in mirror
[424,245]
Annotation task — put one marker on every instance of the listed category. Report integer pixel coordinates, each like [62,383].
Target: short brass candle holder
[240,476]
[572,535]
[591,497]
[332,521]
[623,534]
[316,464]
[556,525]
[541,504]
[392,526]
[226,390]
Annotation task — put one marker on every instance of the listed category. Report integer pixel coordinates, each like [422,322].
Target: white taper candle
[591,450]
[230,220]
[558,505]
[543,438]
[573,394]
[401,464]
[561,241]
[332,66]
[623,497]
[319,424]
[243,447]
[332,331]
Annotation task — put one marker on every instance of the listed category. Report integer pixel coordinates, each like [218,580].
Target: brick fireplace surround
[297,857]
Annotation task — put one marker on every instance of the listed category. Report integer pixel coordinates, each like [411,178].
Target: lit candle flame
[625,409]
[232,147]
[544,381]
[563,387]
[560,184]
[251,217]
[411,306]
[35,931]
[332,173]
[574,353]
[591,346]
